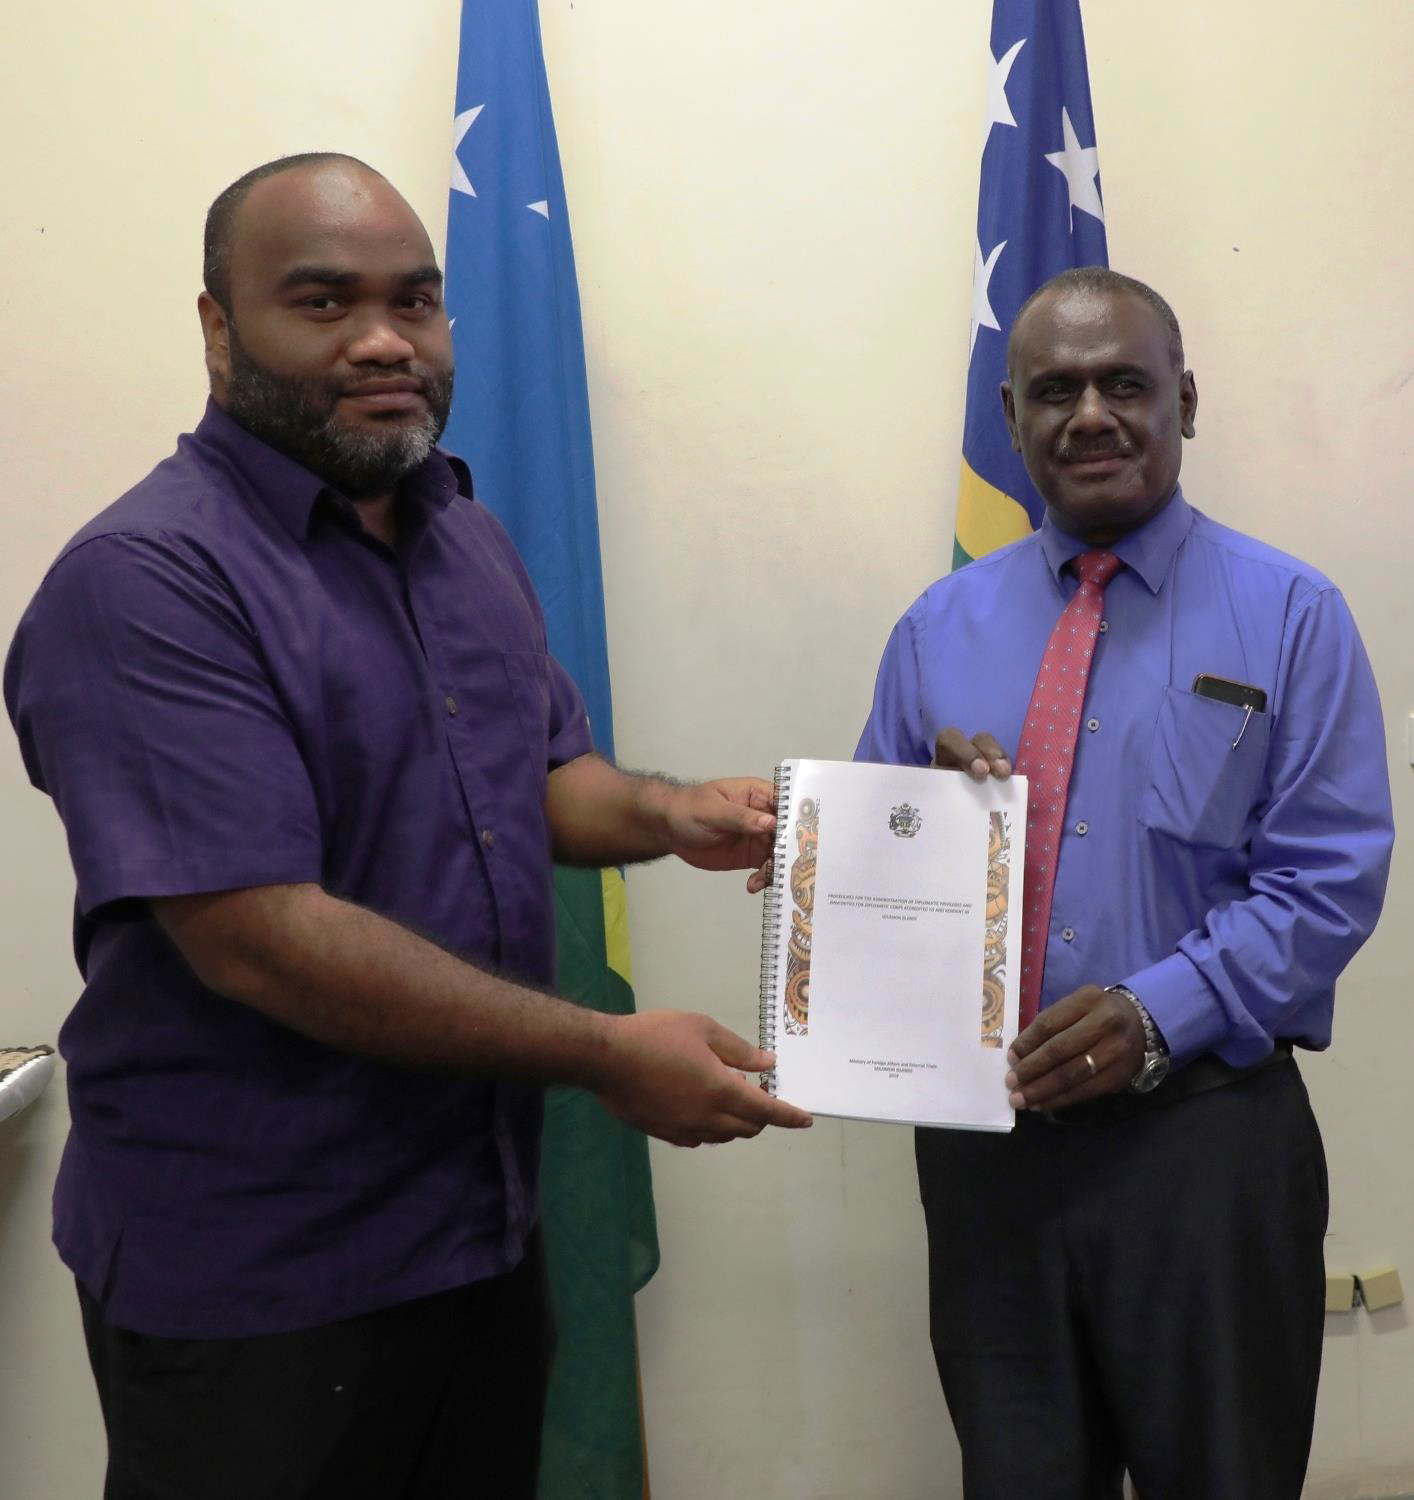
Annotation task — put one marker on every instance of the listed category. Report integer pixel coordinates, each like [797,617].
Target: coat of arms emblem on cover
[905,821]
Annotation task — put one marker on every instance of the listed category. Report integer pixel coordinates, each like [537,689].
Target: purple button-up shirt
[224,682]
[1224,868]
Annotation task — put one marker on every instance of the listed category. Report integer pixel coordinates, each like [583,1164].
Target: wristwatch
[1155,1067]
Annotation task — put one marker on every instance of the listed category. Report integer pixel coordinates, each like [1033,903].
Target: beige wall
[773,206]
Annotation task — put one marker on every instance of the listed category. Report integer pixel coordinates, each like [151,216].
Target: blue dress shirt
[1227,887]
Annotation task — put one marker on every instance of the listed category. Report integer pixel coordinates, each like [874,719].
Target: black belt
[1201,1075]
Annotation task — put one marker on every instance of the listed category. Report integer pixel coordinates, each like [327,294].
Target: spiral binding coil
[772,906]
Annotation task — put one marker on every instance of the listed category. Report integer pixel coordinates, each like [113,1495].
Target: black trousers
[1141,1293]
[437,1399]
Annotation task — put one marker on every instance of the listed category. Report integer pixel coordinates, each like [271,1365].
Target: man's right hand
[981,756]
[675,1076]
[351,979]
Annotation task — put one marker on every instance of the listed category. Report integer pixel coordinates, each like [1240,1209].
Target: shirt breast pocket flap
[1201,789]
[528,674]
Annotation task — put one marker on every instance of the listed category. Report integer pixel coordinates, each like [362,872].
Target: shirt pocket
[528,676]
[1200,789]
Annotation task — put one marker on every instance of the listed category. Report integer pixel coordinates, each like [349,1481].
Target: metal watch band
[1155,1047]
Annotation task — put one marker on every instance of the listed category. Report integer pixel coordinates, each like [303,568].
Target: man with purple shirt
[292,699]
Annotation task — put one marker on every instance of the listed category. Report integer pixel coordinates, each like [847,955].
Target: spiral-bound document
[891,943]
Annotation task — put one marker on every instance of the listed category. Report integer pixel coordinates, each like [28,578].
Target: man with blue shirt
[292,699]
[1133,1278]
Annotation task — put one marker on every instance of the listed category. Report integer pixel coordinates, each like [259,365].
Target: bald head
[333,213]
[221,216]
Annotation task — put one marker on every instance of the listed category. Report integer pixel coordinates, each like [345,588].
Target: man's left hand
[1088,1044]
[723,825]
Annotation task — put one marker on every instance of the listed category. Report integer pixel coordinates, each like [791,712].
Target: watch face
[1151,1075]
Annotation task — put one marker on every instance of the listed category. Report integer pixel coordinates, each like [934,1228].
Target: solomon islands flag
[521,419]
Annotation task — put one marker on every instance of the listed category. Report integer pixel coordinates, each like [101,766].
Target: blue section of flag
[1024,206]
[521,413]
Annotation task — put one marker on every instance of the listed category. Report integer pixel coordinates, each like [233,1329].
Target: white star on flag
[1079,165]
[542,208]
[982,314]
[461,183]
[998,107]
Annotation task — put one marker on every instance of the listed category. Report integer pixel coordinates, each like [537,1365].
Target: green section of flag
[601,1241]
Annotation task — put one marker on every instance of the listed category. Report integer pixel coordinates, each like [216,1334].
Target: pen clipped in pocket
[1252,700]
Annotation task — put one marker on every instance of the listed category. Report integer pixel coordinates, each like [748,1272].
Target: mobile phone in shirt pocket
[1206,770]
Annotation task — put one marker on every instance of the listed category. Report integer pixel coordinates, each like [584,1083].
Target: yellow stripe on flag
[986,518]
[616,926]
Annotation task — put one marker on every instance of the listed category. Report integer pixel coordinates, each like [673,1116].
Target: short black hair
[221,216]
[1102,279]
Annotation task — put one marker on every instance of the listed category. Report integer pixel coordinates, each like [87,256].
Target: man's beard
[298,416]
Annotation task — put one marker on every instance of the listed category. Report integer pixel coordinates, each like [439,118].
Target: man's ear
[216,334]
[1187,402]
[1009,412]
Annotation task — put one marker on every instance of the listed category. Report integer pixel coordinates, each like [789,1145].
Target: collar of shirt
[291,492]
[1148,550]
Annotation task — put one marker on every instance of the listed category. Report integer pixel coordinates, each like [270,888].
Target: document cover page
[891,951]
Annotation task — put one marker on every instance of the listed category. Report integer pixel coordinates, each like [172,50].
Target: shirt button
[1068,934]
[1104,626]
[488,837]
[1082,828]
[451,704]
[1092,725]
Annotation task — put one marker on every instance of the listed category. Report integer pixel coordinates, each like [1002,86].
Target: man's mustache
[385,380]
[1078,454]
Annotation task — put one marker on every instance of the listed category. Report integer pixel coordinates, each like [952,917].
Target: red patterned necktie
[1047,754]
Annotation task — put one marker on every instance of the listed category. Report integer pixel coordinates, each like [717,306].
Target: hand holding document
[891,942]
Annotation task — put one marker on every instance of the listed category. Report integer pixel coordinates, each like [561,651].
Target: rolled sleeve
[569,722]
[143,708]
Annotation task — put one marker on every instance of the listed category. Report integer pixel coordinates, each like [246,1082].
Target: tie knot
[1096,567]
